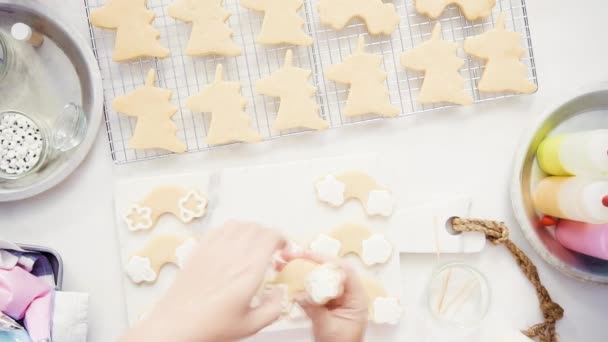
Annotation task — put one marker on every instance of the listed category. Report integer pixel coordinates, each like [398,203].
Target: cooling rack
[186,75]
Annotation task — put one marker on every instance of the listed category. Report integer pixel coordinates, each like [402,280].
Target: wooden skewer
[465,292]
[444,289]
[437,246]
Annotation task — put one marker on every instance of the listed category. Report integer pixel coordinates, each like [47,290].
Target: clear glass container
[13,74]
[65,133]
[44,152]
[458,299]
[6,56]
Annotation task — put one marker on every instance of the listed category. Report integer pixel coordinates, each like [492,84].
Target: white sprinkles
[20,144]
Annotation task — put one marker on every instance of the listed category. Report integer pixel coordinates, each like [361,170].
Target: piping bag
[25,296]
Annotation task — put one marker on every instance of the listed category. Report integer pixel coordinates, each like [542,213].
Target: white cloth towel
[70,317]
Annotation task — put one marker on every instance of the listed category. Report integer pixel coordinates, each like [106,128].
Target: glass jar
[7,57]
[41,153]
[458,299]
[64,134]
[13,75]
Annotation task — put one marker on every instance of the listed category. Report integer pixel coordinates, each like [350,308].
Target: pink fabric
[26,296]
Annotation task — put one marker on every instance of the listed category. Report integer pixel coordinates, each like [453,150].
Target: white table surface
[466,150]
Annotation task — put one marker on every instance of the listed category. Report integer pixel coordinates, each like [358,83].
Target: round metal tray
[584,110]
[82,65]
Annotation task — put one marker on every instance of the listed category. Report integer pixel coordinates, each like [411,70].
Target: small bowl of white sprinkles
[23,145]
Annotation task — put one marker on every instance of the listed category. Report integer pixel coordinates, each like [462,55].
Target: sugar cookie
[185,204]
[378,16]
[135,36]
[281,24]
[322,282]
[440,64]
[145,264]
[210,33]
[501,49]
[152,108]
[371,248]
[298,109]
[472,9]
[382,308]
[363,73]
[228,121]
[336,189]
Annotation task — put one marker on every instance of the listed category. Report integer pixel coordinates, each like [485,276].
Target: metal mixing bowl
[85,68]
[586,109]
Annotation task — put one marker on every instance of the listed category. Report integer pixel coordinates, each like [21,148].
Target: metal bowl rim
[516,192]
[96,107]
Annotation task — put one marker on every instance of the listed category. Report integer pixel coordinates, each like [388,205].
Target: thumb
[312,310]
[266,313]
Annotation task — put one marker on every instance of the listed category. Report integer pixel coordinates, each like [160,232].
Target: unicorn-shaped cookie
[501,50]
[152,108]
[228,121]
[440,64]
[210,33]
[378,16]
[282,24]
[472,9]
[363,72]
[298,108]
[135,36]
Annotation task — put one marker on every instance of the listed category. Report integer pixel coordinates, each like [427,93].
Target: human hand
[343,319]
[210,299]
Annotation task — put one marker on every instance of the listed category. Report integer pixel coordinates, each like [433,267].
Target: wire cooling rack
[186,75]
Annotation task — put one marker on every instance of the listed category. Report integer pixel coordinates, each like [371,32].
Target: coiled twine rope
[498,234]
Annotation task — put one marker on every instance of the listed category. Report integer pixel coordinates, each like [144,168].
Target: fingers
[312,310]
[264,314]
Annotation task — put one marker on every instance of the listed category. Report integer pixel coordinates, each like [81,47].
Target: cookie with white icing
[145,264]
[335,189]
[322,282]
[383,309]
[372,248]
[185,204]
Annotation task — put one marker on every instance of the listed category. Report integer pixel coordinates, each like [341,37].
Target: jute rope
[498,233]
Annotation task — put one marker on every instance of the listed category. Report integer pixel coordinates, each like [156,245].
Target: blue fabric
[14,336]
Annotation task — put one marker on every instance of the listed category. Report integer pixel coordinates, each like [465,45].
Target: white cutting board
[282,196]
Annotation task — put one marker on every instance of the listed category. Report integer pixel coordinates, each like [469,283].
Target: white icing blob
[144,218]
[380,202]
[325,283]
[331,190]
[186,214]
[376,250]
[326,246]
[140,270]
[183,251]
[387,310]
